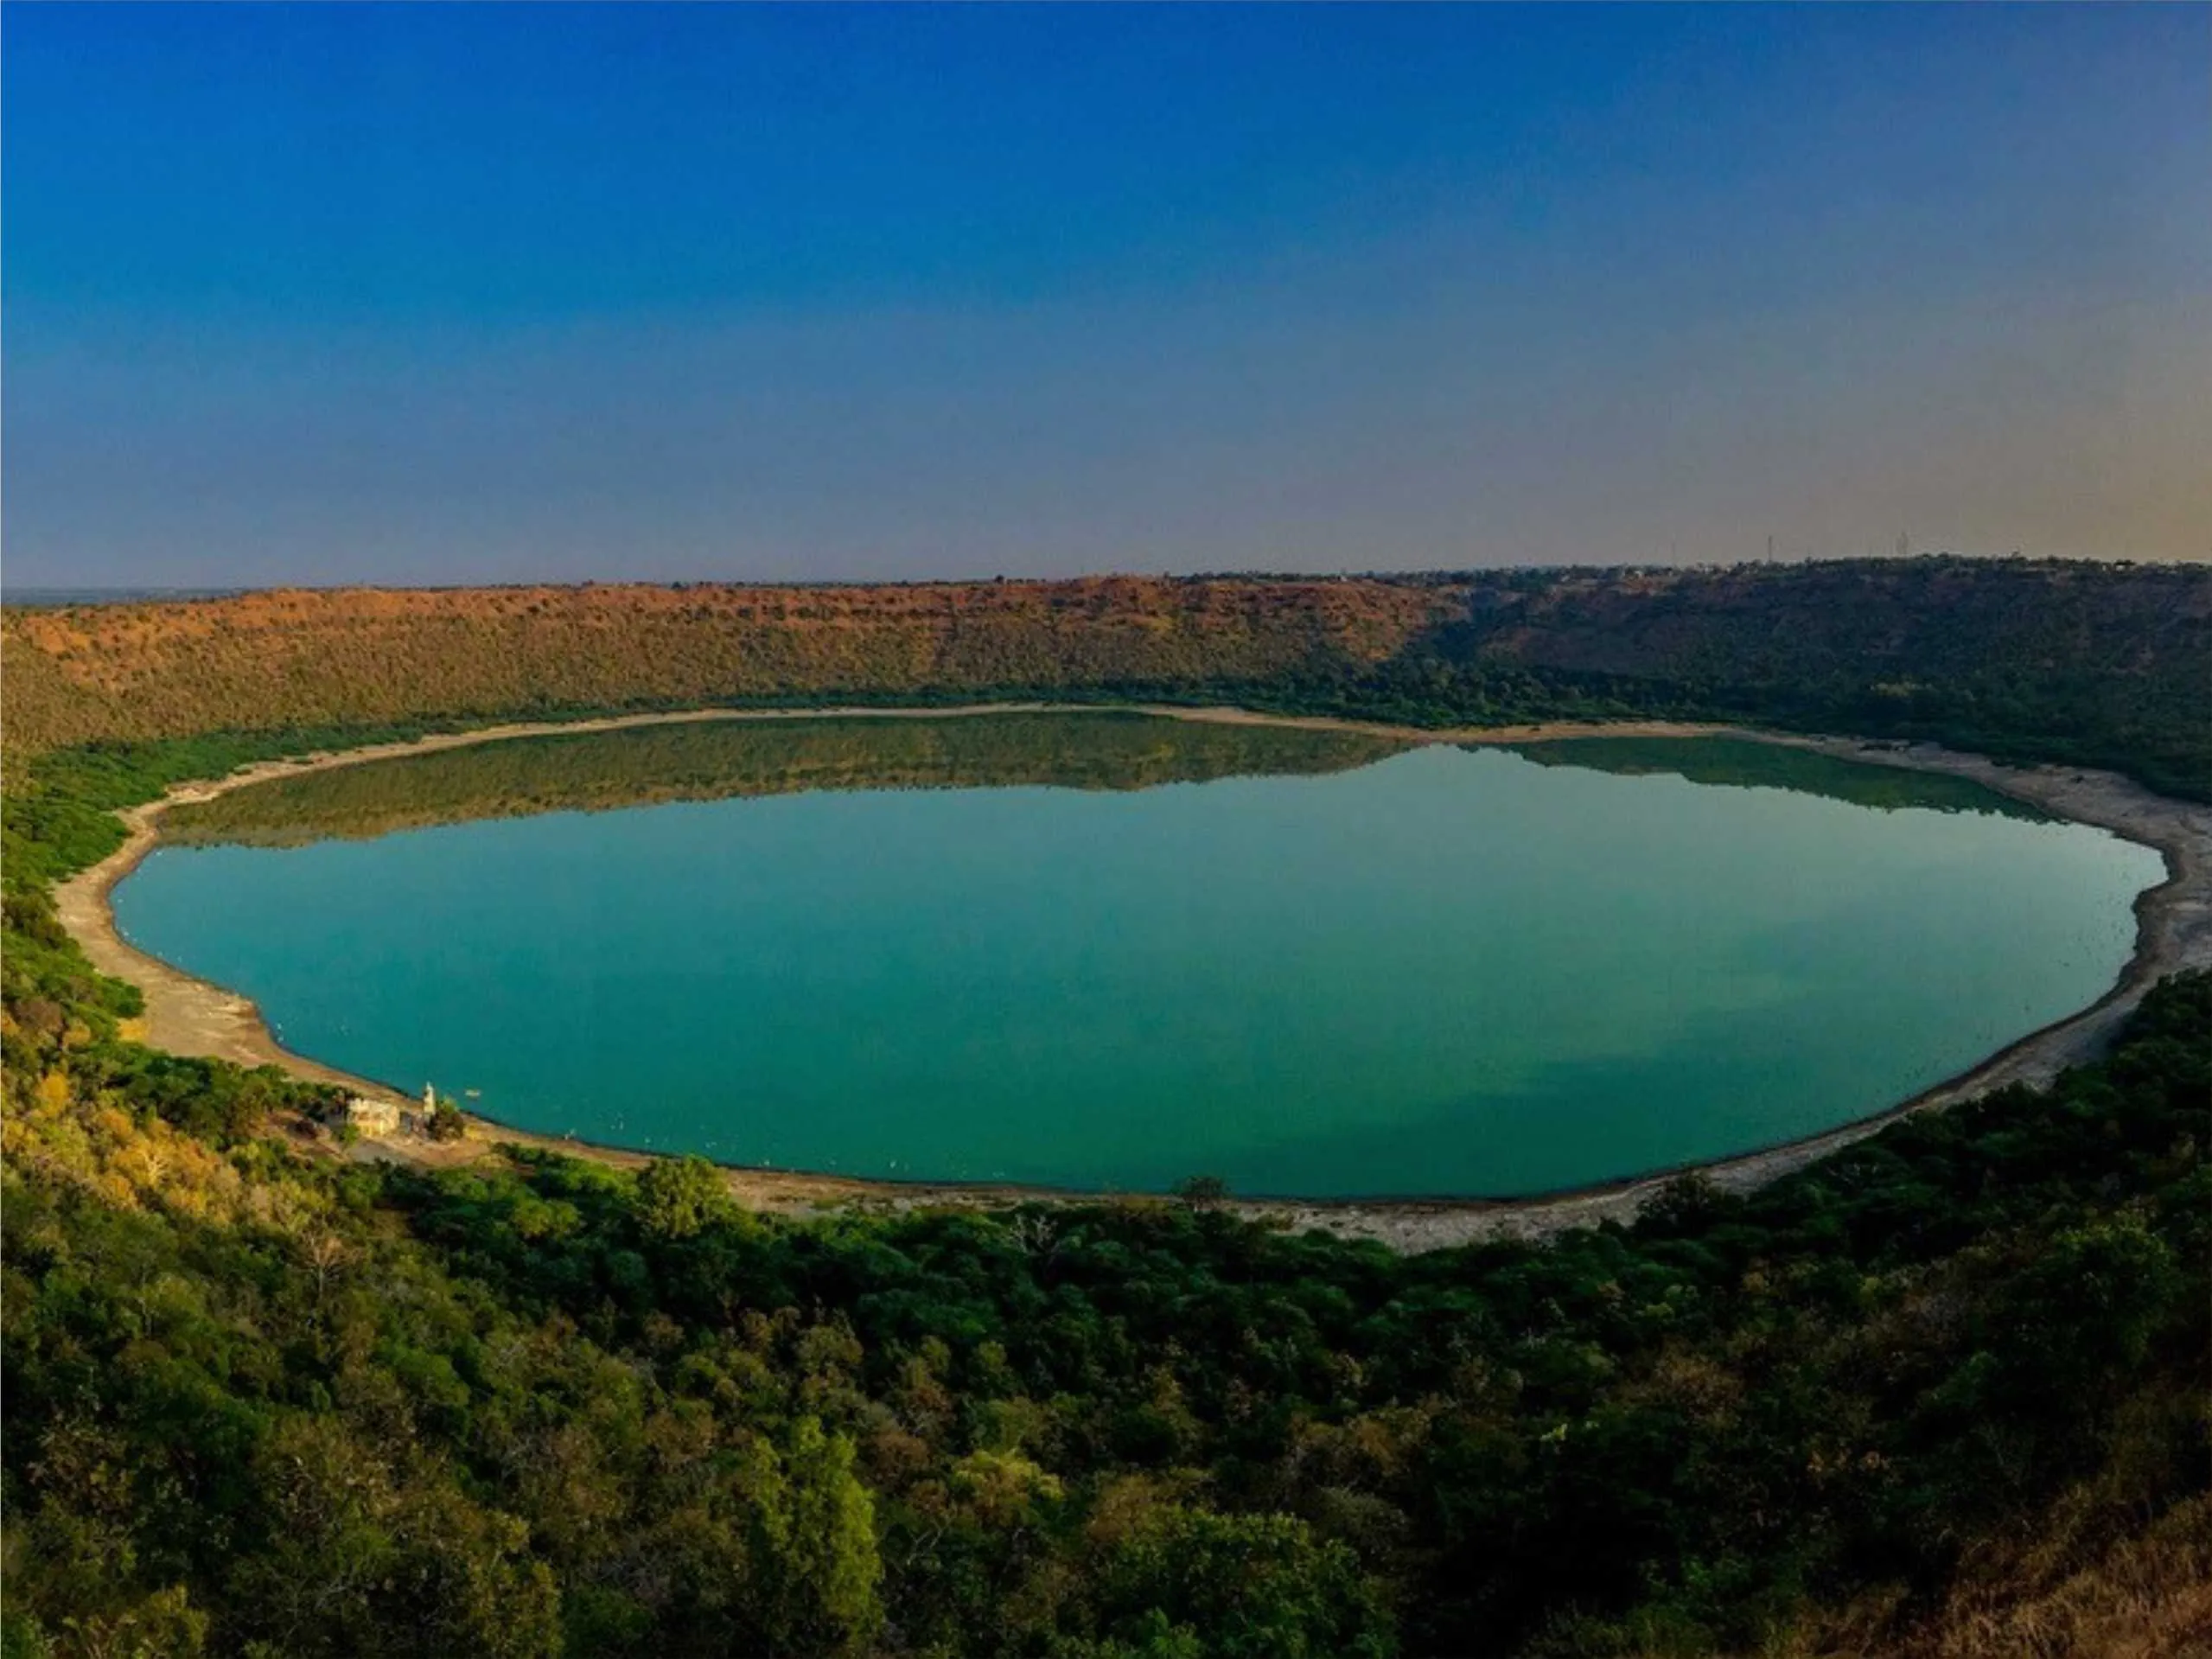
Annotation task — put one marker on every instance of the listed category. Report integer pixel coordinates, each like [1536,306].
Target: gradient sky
[443,294]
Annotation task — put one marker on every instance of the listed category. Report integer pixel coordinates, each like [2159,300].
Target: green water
[1110,953]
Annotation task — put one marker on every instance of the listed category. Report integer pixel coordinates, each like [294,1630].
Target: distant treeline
[2077,662]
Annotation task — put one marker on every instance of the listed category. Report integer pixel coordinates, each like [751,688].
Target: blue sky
[407,294]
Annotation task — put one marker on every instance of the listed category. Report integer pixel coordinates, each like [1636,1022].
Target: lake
[1109,951]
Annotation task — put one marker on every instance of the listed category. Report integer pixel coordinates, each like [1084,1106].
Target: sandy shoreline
[185,1015]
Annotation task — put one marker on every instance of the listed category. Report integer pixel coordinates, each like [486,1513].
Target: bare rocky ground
[187,1016]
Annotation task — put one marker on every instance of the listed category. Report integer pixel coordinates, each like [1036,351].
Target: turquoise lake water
[1375,971]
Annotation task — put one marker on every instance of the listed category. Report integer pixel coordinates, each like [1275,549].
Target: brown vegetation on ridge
[365,656]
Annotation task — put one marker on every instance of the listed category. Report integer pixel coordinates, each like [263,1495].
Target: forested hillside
[1944,1389]
[2110,664]
[2096,664]
[1940,1394]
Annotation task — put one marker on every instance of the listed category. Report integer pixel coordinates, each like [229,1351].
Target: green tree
[1202,1191]
[446,1122]
[815,1546]
[677,1197]
[1250,1586]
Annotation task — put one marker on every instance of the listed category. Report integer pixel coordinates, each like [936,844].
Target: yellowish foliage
[132,1164]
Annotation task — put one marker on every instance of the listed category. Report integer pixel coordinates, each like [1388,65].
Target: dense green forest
[1944,1392]
[258,1397]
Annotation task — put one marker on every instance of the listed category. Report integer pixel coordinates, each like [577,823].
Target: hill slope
[2094,664]
[326,657]
[1940,1393]
[2102,663]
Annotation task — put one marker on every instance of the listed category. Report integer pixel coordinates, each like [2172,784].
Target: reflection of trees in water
[713,760]
[1744,763]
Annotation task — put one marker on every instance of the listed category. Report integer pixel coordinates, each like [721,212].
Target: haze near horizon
[437,294]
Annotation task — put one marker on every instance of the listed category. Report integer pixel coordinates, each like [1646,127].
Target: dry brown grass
[2056,1596]
[368,656]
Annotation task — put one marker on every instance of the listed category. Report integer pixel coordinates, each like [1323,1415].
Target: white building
[373,1116]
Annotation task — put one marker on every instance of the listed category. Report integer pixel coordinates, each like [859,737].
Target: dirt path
[188,1016]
